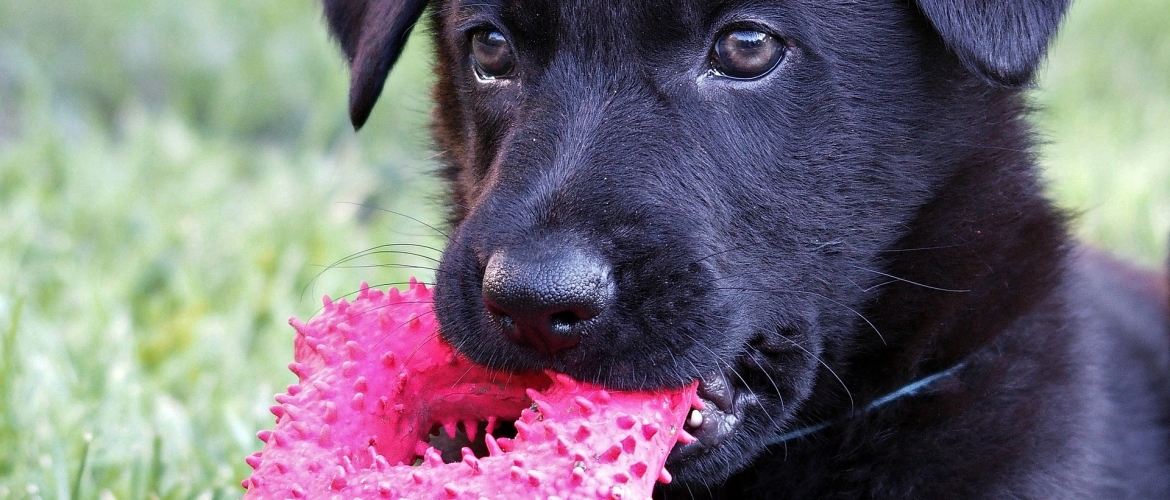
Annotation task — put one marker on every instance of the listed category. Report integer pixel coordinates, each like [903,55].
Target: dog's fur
[867,214]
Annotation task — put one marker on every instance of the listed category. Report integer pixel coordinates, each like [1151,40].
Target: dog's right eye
[491,54]
[746,54]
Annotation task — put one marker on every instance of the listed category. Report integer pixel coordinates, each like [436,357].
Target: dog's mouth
[719,418]
[742,400]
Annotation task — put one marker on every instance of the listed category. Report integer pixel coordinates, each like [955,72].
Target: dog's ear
[372,33]
[1002,41]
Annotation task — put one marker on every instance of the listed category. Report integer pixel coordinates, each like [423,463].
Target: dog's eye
[491,54]
[746,54]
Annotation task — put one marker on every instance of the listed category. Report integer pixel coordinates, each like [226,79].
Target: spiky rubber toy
[376,380]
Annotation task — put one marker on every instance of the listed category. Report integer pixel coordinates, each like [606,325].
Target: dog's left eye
[745,54]
[491,54]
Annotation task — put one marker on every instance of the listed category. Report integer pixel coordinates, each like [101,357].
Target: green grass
[174,175]
[1104,103]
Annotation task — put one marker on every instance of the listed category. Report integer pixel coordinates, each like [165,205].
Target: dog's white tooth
[695,419]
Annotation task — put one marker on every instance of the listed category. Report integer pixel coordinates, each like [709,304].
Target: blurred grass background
[175,175]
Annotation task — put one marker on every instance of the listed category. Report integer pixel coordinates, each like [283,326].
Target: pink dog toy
[376,381]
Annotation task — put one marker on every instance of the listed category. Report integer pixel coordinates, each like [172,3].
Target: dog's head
[646,192]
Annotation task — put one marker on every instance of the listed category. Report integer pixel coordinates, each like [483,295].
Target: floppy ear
[372,33]
[1002,41]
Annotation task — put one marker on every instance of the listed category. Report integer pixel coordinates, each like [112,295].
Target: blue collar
[910,389]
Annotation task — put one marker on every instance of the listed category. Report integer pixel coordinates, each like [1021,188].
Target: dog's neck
[988,237]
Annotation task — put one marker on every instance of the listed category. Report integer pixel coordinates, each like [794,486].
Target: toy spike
[611,455]
[562,446]
[586,406]
[649,430]
[625,422]
[471,428]
[639,469]
[583,433]
[432,457]
[629,444]
[493,446]
[450,427]
[330,415]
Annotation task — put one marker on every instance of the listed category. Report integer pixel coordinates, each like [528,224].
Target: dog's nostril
[563,323]
[543,299]
[565,319]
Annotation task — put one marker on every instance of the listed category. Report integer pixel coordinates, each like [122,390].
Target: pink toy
[376,380]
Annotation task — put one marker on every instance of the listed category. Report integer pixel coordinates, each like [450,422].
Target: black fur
[867,214]
[1003,41]
[372,34]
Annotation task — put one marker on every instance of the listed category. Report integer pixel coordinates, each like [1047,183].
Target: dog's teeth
[695,419]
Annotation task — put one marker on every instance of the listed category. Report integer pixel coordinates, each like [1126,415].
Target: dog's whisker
[375,309]
[855,312]
[414,320]
[385,251]
[904,280]
[762,407]
[721,252]
[385,284]
[923,249]
[400,214]
[874,286]
[826,245]
[827,367]
[771,381]
[385,248]
[865,289]
[387,266]
[464,374]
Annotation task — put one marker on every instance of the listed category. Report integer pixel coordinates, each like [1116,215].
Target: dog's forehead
[649,26]
[576,14]
[611,20]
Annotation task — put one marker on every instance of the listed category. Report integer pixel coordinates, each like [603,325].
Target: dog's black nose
[543,299]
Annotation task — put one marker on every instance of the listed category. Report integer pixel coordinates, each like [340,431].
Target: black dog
[827,211]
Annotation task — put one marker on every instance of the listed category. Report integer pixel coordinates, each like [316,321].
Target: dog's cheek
[685,318]
[452,298]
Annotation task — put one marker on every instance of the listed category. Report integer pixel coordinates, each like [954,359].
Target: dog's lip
[720,417]
[716,389]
